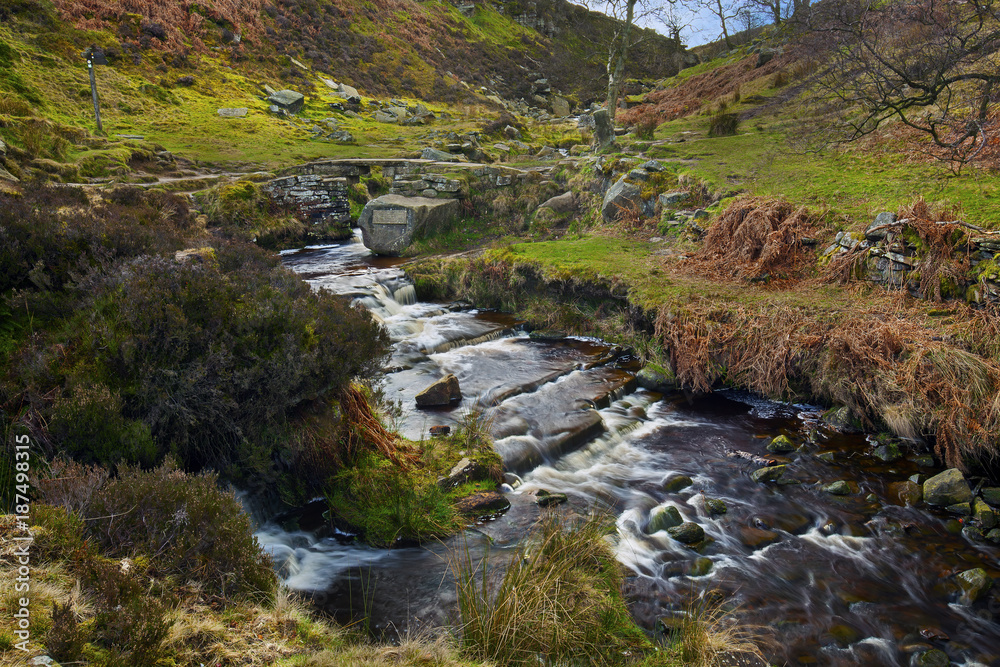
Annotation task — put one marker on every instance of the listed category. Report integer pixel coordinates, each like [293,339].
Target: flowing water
[832,580]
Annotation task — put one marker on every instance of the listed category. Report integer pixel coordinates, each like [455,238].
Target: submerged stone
[546,499]
[677,483]
[933,658]
[906,492]
[769,474]
[758,538]
[947,488]
[701,567]
[974,583]
[838,488]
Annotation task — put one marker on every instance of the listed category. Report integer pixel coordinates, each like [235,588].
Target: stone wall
[320,198]
[887,254]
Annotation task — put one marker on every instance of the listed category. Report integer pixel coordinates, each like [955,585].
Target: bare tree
[627,14]
[930,64]
[725,11]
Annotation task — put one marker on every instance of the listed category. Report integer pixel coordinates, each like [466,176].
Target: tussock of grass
[709,635]
[557,600]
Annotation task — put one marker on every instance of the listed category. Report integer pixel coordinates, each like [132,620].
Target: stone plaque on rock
[389,223]
[389,216]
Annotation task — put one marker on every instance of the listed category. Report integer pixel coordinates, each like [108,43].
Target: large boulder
[621,195]
[287,100]
[436,155]
[390,223]
[947,488]
[349,93]
[560,106]
[564,203]
[604,129]
[442,392]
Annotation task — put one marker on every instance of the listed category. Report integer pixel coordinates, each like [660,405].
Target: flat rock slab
[289,100]
[390,223]
[235,112]
[517,522]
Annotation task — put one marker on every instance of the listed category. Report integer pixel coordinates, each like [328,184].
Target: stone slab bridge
[320,191]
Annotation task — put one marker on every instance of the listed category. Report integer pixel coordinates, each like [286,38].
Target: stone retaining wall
[320,198]
[887,257]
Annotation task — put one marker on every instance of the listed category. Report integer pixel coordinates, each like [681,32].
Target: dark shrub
[90,427]
[65,639]
[129,622]
[723,124]
[186,525]
[234,352]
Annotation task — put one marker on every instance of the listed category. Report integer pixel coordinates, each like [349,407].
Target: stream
[831,580]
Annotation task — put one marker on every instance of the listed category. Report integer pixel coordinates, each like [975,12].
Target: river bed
[832,580]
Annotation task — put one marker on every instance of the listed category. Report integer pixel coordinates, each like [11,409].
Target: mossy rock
[677,483]
[715,506]
[687,533]
[974,583]
[664,519]
[947,488]
[769,474]
[701,566]
[657,378]
[781,445]
[838,488]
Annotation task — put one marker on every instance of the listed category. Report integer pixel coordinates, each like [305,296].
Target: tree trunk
[616,60]
[722,19]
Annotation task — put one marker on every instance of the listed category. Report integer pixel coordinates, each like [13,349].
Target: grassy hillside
[171,67]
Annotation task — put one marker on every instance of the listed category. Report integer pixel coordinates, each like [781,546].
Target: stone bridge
[320,191]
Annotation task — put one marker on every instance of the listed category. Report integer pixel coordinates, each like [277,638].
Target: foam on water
[309,565]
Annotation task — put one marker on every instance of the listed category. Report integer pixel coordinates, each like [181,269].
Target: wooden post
[93,92]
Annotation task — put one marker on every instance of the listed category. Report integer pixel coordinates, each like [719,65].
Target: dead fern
[757,238]
[364,430]
[881,363]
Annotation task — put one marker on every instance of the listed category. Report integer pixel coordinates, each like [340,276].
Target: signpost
[95,56]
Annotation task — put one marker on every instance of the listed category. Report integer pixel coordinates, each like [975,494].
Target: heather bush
[186,525]
[235,351]
[241,210]
[41,251]
[119,353]
[127,621]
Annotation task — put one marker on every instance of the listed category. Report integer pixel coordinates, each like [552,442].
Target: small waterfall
[405,295]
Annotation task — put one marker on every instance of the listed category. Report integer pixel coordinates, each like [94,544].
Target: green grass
[851,185]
